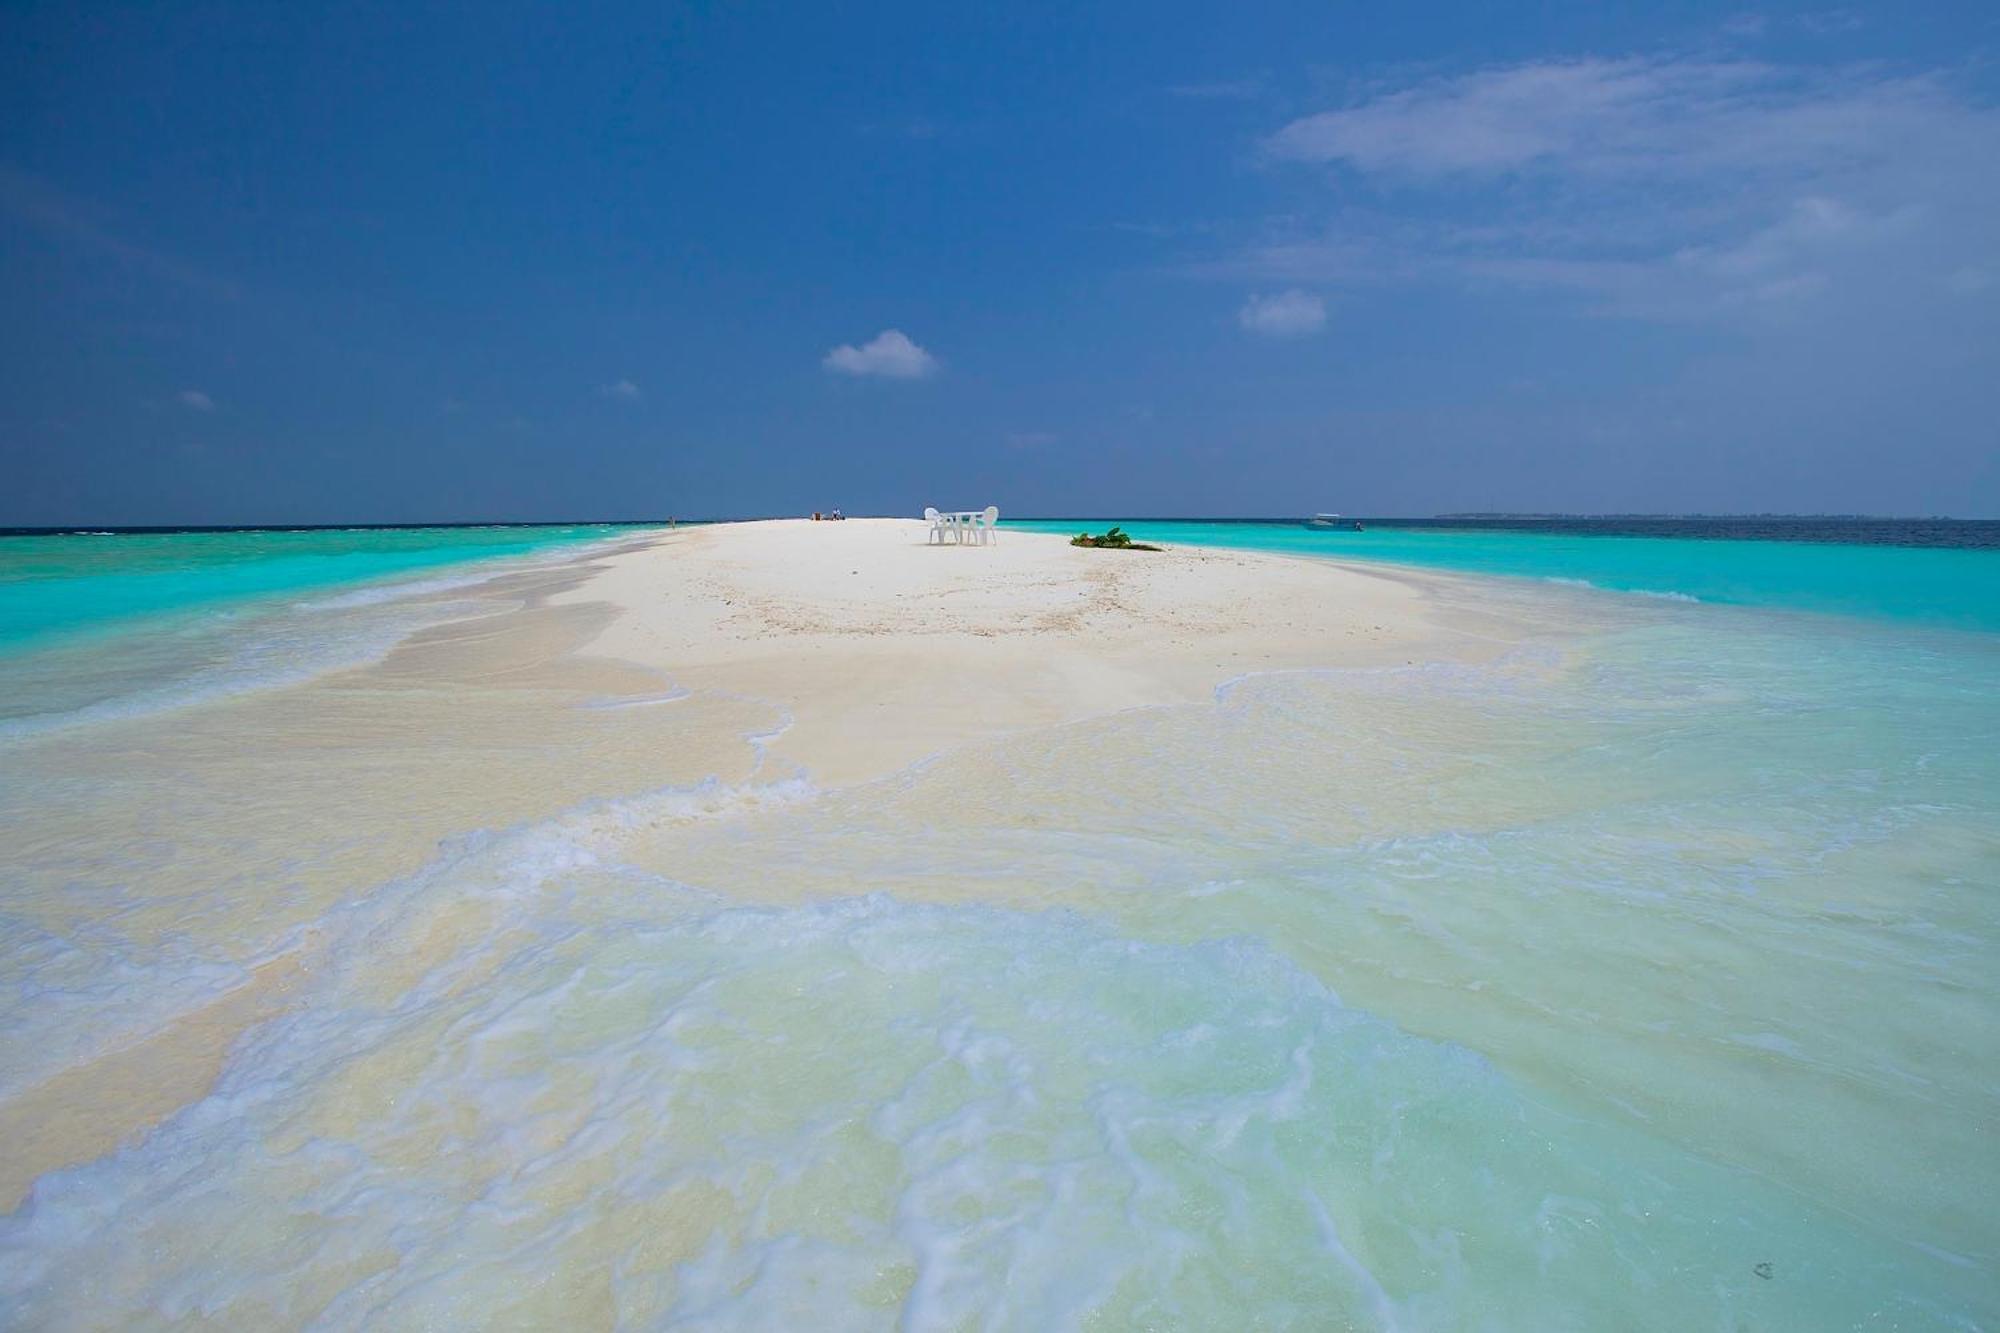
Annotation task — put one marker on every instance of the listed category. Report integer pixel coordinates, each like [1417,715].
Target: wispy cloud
[1818,22]
[1652,118]
[195,399]
[1826,22]
[624,390]
[1660,187]
[1224,90]
[1030,439]
[888,355]
[41,205]
[1289,314]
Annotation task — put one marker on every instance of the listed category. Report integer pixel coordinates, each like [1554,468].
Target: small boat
[1324,521]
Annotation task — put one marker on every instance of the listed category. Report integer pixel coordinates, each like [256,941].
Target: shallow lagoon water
[1935,572]
[97,625]
[1641,979]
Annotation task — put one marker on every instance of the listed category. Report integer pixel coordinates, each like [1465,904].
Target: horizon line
[1457,516]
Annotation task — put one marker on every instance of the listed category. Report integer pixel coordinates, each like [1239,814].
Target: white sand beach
[884,648]
[780,924]
[827,653]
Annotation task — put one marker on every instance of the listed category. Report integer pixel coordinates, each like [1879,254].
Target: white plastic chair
[983,526]
[938,524]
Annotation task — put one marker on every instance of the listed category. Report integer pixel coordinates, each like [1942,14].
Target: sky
[404,262]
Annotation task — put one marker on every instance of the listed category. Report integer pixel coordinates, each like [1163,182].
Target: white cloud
[196,399]
[624,389]
[1228,90]
[1638,117]
[1827,22]
[890,354]
[1658,187]
[1290,314]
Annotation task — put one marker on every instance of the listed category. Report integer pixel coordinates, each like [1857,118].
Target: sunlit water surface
[1644,978]
[102,625]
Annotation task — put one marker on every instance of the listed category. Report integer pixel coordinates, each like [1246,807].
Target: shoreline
[884,650]
[749,655]
[761,825]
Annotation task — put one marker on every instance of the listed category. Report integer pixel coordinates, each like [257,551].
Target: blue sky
[387,262]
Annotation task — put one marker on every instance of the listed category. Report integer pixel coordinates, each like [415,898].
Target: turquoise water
[1930,585]
[96,625]
[77,582]
[1641,978]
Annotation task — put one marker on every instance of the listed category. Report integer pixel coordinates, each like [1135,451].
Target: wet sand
[825,654]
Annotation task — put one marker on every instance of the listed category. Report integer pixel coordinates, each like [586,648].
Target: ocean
[1937,571]
[1640,977]
[100,623]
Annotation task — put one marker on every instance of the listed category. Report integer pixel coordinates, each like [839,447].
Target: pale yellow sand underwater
[843,651]
[781,924]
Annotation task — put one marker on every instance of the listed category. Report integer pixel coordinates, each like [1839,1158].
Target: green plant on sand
[1116,539]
